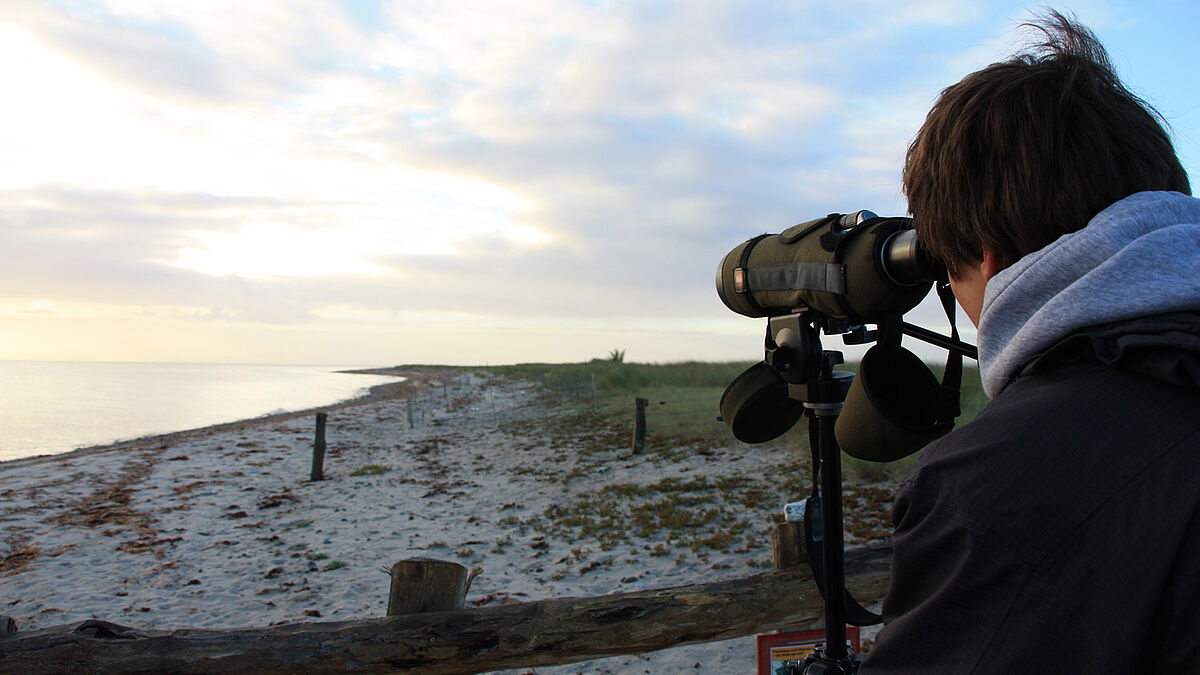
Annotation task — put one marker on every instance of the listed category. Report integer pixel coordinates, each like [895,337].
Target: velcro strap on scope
[801,276]
[826,276]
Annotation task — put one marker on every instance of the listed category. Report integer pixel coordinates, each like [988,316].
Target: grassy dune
[695,490]
[684,402]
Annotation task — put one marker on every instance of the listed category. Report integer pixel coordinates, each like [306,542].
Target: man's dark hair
[1024,151]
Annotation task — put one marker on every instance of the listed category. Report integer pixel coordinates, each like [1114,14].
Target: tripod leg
[831,525]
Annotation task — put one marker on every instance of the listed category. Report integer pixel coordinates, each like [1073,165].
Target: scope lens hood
[892,408]
[756,406]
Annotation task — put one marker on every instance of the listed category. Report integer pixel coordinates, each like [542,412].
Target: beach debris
[20,554]
[272,501]
[234,512]
[148,545]
[109,504]
[188,487]
[499,598]
[596,564]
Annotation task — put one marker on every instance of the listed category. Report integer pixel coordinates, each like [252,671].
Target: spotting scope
[858,267]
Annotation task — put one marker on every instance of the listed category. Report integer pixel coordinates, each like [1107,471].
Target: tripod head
[793,350]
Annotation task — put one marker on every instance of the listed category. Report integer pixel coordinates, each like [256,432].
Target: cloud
[275,162]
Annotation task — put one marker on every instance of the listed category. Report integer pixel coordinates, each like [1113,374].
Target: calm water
[51,407]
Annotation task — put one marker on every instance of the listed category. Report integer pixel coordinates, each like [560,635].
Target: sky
[463,181]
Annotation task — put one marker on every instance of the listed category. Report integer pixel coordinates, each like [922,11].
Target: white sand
[223,528]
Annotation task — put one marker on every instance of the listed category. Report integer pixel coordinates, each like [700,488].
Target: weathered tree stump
[787,545]
[427,585]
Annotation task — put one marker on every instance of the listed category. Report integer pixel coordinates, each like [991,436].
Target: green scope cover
[820,265]
[892,409]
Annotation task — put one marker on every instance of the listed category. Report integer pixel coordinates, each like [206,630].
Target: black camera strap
[856,614]
[814,544]
[743,263]
[952,377]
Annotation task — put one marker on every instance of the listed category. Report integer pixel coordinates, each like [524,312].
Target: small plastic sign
[775,650]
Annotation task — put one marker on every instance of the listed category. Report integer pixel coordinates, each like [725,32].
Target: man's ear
[992,264]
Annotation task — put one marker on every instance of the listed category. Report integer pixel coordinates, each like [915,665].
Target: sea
[51,407]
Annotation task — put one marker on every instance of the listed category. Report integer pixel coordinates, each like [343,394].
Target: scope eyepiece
[907,262]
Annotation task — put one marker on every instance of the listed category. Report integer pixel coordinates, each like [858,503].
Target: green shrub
[370,470]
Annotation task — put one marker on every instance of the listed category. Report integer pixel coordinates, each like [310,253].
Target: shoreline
[388,390]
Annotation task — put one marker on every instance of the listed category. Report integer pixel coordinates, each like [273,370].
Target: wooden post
[410,411]
[427,585]
[787,549]
[639,426]
[318,461]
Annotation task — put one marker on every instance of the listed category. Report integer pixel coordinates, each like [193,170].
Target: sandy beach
[222,527]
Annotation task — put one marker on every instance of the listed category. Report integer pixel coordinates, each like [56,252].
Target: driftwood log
[556,631]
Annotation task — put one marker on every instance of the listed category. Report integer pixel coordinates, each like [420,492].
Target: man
[1059,531]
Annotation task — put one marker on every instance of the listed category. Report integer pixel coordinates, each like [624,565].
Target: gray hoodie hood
[1139,257]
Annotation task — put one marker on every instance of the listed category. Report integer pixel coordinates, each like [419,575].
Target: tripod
[793,349]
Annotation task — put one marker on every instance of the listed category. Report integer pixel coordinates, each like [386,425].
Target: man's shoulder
[1080,413]
[1140,376]
[1057,448]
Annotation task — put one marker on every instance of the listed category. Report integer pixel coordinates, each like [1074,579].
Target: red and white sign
[776,649]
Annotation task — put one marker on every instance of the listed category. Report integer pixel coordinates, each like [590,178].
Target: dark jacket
[1059,531]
